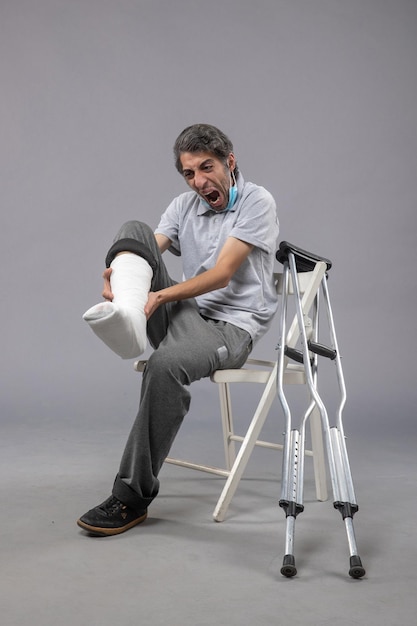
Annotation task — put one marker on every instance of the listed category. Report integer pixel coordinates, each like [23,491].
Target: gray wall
[319,97]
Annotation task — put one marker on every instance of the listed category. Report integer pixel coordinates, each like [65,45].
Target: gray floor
[182,568]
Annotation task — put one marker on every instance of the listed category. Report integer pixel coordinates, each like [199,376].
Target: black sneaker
[112,517]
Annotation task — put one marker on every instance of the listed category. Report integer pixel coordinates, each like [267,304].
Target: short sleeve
[257,222]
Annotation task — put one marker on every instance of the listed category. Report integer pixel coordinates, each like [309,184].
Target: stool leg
[246,449]
[319,463]
[227,424]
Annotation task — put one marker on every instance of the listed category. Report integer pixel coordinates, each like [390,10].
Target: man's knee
[134,229]
[165,364]
[136,237]
[161,362]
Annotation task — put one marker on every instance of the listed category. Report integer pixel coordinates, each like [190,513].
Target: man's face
[208,176]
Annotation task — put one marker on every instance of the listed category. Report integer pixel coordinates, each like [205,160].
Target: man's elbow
[224,274]
[225,279]
[224,283]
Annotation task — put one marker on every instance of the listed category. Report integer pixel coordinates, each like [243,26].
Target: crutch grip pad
[294,354]
[322,350]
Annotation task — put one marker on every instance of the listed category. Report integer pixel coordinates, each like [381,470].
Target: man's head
[203,138]
[204,156]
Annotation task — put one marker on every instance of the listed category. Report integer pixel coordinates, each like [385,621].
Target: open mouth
[213,198]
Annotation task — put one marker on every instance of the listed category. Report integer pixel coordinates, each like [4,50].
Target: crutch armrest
[305,261]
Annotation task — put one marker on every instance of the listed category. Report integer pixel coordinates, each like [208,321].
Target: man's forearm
[232,255]
[207,281]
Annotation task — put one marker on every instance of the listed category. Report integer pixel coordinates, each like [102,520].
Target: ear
[231,162]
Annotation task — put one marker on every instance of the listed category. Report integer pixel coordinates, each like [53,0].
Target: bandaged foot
[121,324]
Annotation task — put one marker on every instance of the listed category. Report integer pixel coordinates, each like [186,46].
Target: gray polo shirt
[198,233]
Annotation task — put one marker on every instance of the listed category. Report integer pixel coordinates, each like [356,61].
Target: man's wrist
[162,297]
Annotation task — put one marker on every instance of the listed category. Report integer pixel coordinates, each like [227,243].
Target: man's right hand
[107,292]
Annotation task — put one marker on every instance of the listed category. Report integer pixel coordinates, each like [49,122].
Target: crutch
[295,261]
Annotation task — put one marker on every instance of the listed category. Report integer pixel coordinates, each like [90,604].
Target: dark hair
[203,138]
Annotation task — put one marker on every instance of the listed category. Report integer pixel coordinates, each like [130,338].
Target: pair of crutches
[306,351]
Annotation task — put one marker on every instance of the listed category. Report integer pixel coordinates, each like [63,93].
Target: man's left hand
[152,304]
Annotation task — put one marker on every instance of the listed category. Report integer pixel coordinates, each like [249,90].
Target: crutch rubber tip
[288,568]
[356,569]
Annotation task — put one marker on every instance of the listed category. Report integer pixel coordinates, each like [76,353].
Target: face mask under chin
[232,197]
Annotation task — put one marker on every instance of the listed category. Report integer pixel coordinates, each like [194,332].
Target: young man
[226,231]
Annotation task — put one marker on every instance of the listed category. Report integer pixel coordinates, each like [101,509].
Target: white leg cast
[121,324]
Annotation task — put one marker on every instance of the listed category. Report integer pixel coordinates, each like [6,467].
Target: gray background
[319,97]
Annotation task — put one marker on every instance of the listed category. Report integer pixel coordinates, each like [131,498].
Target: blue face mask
[232,196]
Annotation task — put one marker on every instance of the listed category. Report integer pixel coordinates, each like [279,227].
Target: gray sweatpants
[187,347]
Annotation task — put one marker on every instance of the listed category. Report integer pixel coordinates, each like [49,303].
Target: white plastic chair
[264,373]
